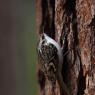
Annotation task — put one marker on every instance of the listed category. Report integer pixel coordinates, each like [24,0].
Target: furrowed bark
[86,29]
[72,24]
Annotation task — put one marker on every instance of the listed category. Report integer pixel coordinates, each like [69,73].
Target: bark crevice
[48,15]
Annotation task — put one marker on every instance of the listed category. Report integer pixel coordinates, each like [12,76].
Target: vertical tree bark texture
[86,29]
[72,24]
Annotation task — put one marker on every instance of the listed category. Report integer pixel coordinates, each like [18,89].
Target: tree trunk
[72,24]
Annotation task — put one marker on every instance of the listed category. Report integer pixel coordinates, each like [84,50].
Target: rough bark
[72,24]
[86,29]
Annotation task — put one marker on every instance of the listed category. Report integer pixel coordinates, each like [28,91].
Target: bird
[51,56]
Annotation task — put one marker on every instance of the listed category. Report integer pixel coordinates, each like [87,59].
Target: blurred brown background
[17,47]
